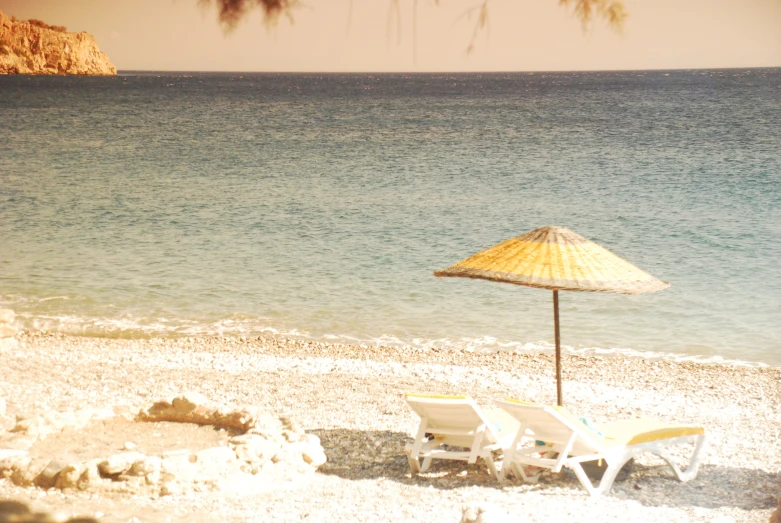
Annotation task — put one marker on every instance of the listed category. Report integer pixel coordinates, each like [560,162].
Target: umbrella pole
[558,346]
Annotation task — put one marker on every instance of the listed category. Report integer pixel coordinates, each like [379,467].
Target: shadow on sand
[357,455]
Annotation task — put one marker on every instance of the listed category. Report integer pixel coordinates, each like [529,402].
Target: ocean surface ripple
[320,205]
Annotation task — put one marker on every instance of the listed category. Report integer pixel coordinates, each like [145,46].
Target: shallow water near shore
[320,205]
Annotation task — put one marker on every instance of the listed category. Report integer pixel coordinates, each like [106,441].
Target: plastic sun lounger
[456,421]
[570,442]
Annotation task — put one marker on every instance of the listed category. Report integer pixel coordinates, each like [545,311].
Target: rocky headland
[34,47]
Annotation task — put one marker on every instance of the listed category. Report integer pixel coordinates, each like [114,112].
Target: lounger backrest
[553,425]
[450,414]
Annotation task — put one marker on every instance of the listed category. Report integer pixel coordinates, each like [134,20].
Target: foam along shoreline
[351,398]
[250,329]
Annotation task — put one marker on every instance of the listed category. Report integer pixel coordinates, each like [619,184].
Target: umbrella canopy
[556,258]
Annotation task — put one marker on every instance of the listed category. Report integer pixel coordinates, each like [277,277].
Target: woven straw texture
[558,259]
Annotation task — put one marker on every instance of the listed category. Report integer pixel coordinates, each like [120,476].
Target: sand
[351,397]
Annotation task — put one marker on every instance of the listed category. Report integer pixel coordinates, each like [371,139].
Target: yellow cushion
[626,432]
[434,396]
[523,403]
[631,431]
[636,431]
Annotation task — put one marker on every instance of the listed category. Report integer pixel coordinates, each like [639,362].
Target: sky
[329,35]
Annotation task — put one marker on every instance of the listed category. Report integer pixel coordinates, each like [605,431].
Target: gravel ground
[351,397]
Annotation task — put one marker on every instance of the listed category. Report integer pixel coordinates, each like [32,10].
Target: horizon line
[541,71]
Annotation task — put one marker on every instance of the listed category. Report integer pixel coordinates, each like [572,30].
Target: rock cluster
[33,47]
[18,512]
[7,328]
[485,513]
[262,453]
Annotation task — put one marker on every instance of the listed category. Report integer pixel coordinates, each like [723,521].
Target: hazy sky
[524,35]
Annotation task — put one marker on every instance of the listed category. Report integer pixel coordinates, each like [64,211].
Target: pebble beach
[351,397]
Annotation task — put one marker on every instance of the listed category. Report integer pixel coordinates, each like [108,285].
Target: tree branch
[231,12]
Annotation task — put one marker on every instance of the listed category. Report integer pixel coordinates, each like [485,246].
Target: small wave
[130,327]
[664,356]
[491,344]
[15,301]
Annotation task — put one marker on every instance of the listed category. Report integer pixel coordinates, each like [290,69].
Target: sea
[318,206]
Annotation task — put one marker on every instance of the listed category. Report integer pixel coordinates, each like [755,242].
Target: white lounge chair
[569,442]
[456,421]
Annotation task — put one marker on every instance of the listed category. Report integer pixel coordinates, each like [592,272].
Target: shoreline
[441,345]
[351,397]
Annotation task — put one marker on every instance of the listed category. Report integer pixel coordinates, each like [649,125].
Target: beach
[351,397]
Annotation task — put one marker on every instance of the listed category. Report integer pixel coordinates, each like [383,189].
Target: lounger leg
[489,460]
[474,450]
[517,470]
[414,464]
[414,452]
[583,478]
[694,462]
[606,483]
[426,464]
[509,454]
[520,472]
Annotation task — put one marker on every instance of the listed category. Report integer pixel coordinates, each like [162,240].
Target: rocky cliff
[33,47]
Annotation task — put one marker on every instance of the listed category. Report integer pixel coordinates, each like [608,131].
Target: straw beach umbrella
[556,258]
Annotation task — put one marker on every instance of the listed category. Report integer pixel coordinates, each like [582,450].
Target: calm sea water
[319,205]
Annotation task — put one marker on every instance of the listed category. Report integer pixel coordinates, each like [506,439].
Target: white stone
[46,478]
[215,461]
[7,331]
[485,513]
[170,488]
[178,466]
[146,466]
[313,455]
[264,448]
[69,476]
[11,453]
[7,316]
[26,470]
[119,463]
[17,442]
[153,477]
[222,454]
[56,421]
[29,426]
[12,464]
[290,458]
[312,440]
[90,478]
[265,422]
[176,453]
[96,414]
[291,436]
[246,454]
